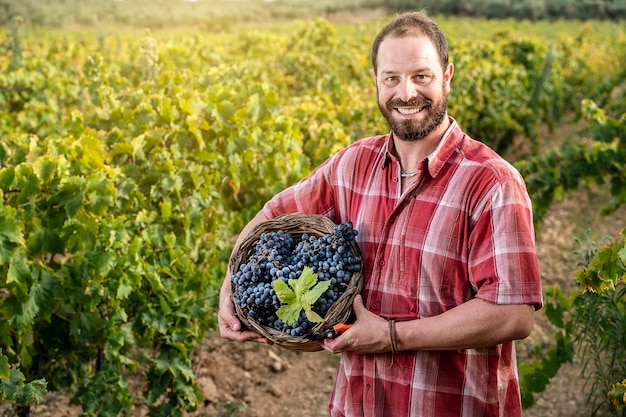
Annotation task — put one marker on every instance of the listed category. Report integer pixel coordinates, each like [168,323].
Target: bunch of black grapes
[279,256]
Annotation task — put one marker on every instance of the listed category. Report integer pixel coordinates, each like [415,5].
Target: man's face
[412,87]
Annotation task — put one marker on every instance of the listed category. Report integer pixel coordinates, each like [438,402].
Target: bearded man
[451,277]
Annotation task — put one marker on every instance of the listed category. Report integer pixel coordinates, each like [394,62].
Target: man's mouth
[409,110]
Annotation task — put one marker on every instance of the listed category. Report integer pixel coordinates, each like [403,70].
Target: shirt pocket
[433,270]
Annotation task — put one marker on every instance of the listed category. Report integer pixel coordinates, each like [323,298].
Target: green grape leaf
[70,194]
[290,310]
[30,393]
[313,317]
[302,294]
[314,292]
[289,313]
[284,293]
[10,238]
[124,289]
[18,268]
[7,177]
[28,183]
[16,389]
[46,293]
[5,368]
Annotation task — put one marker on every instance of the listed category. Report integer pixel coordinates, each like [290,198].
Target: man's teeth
[411,110]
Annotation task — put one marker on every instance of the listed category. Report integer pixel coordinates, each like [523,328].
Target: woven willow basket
[296,225]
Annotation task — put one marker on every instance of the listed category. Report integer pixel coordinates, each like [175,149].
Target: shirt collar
[436,160]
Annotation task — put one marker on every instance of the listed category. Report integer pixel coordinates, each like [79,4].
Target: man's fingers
[234,324]
[357,305]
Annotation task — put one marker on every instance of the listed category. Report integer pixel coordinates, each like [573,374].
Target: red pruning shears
[336,330]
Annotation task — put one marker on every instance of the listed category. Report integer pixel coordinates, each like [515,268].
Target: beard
[412,130]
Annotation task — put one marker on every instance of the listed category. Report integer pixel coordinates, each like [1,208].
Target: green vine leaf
[14,387]
[300,295]
[5,367]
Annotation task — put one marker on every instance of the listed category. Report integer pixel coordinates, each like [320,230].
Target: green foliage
[116,215]
[550,175]
[93,264]
[536,375]
[594,317]
[605,270]
[600,324]
[214,15]
[591,320]
[14,388]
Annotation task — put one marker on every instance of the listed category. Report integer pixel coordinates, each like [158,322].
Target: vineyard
[130,159]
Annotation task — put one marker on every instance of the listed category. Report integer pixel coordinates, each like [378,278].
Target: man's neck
[411,153]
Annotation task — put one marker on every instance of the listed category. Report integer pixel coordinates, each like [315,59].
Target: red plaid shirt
[462,230]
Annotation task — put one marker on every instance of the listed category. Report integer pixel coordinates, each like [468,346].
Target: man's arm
[228,323]
[473,324]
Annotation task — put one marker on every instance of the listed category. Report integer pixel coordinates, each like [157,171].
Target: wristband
[393,336]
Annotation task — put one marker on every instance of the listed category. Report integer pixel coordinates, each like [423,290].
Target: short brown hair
[413,24]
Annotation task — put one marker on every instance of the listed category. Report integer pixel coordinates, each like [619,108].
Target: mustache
[416,102]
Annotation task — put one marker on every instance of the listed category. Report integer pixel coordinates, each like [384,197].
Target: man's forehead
[407,47]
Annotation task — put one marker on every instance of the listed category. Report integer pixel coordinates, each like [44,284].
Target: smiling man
[451,277]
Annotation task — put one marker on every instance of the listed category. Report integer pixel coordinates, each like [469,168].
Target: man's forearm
[474,324]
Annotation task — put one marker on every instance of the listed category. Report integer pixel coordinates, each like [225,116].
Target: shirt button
[395,179]
[374,306]
[367,386]
[382,263]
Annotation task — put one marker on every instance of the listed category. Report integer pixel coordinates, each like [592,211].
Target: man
[451,277]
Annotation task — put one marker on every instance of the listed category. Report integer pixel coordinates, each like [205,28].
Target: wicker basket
[297,224]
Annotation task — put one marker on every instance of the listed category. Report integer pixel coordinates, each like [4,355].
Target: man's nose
[407,90]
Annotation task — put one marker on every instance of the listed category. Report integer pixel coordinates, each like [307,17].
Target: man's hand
[229,324]
[368,334]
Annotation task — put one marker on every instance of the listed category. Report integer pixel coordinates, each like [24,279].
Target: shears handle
[337,330]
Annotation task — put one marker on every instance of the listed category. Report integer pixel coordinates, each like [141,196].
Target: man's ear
[447,76]
[373,73]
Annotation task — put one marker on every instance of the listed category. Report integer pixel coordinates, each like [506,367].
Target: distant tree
[518,9]
[528,9]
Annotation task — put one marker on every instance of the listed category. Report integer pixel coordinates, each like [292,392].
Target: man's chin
[407,134]
[411,137]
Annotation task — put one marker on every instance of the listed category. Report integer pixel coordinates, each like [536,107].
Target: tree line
[521,9]
[207,13]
